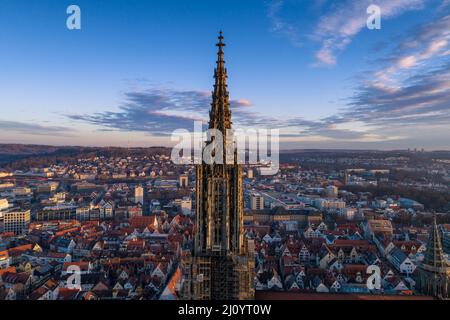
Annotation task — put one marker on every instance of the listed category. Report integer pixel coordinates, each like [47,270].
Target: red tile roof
[279,295]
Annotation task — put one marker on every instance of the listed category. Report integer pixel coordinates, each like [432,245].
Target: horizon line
[281,149]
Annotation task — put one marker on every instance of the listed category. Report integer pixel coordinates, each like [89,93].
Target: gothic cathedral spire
[222,265]
[434,255]
[220,114]
[433,277]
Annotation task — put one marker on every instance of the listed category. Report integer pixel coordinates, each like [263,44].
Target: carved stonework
[433,276]
[222,266]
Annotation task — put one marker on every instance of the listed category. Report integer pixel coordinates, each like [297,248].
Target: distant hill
[288,155]
[16,155]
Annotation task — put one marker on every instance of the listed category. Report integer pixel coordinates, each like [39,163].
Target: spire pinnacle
[220,37]
[220,44]
[434,255]
[220,114]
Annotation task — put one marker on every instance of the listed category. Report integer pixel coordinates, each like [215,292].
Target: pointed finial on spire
[220,37]
[220,61]
[220,115]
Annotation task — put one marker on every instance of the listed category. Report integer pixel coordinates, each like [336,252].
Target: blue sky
[137,70]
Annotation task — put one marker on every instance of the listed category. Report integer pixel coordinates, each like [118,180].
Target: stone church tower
[222,264]
[433,277]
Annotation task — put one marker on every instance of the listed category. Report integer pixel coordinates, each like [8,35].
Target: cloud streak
[160,112]
[280,25]
[422,99]
[337,24]
[336,29]
[35,129]
[412,87]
